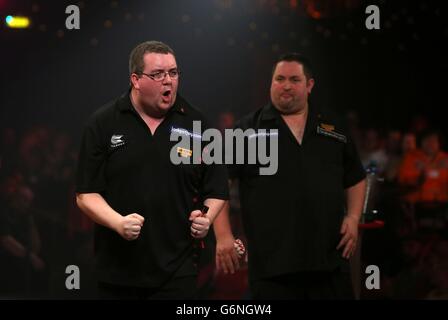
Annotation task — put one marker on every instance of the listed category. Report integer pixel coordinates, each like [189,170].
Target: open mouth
[166,95]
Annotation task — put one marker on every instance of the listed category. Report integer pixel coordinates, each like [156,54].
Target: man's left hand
[200,224]
[349,231]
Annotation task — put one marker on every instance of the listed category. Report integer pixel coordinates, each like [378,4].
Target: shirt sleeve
[353,169]
[90,176]
[215,180]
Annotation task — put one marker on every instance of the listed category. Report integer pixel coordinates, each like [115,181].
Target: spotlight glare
[17,22]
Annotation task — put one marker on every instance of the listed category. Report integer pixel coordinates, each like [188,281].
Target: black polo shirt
[292,219]
[131,168]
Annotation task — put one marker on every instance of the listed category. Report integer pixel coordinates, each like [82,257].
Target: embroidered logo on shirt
[328,127]
[116,140]
[184,152]
[185,132]
[330,133]
[264,134]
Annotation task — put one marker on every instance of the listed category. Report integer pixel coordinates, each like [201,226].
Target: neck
[296,123]
[299,115]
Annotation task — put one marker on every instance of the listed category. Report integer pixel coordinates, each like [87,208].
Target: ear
[134,81]
[310,85]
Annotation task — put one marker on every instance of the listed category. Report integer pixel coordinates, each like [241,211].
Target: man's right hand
[227,259]
[129,226]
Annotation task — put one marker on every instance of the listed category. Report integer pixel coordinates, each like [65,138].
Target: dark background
[225,49]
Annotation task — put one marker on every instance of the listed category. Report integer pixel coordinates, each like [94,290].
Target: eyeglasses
[160,75]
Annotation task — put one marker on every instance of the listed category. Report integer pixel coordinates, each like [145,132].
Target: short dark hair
[136,63]
[297,57]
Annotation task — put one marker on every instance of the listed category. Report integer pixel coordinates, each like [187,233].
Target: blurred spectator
[393,155]
[424,174]
[353,125]
[226,120]
[372,151]
[419,124]
[412,281]
[407,221]
[21,264]
[409,143]
[8,155]
[438,264]
[31,151]
[58,160]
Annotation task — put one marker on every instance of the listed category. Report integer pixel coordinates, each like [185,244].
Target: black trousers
[313,285]
[176,288]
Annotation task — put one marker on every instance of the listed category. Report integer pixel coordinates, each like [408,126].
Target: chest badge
[328,127]
[328,131]
[186,153]
[116,140]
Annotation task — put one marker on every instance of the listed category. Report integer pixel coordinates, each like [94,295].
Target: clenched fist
[129,226]
[200,224]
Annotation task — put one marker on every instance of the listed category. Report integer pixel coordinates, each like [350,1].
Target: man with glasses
[145,207]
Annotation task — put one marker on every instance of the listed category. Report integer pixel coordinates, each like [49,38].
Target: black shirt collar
[269,112]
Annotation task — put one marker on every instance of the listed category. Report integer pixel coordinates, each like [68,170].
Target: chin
[163,109]
[285,109]
[167,105]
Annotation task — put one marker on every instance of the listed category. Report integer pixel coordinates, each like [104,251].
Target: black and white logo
[116,140]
